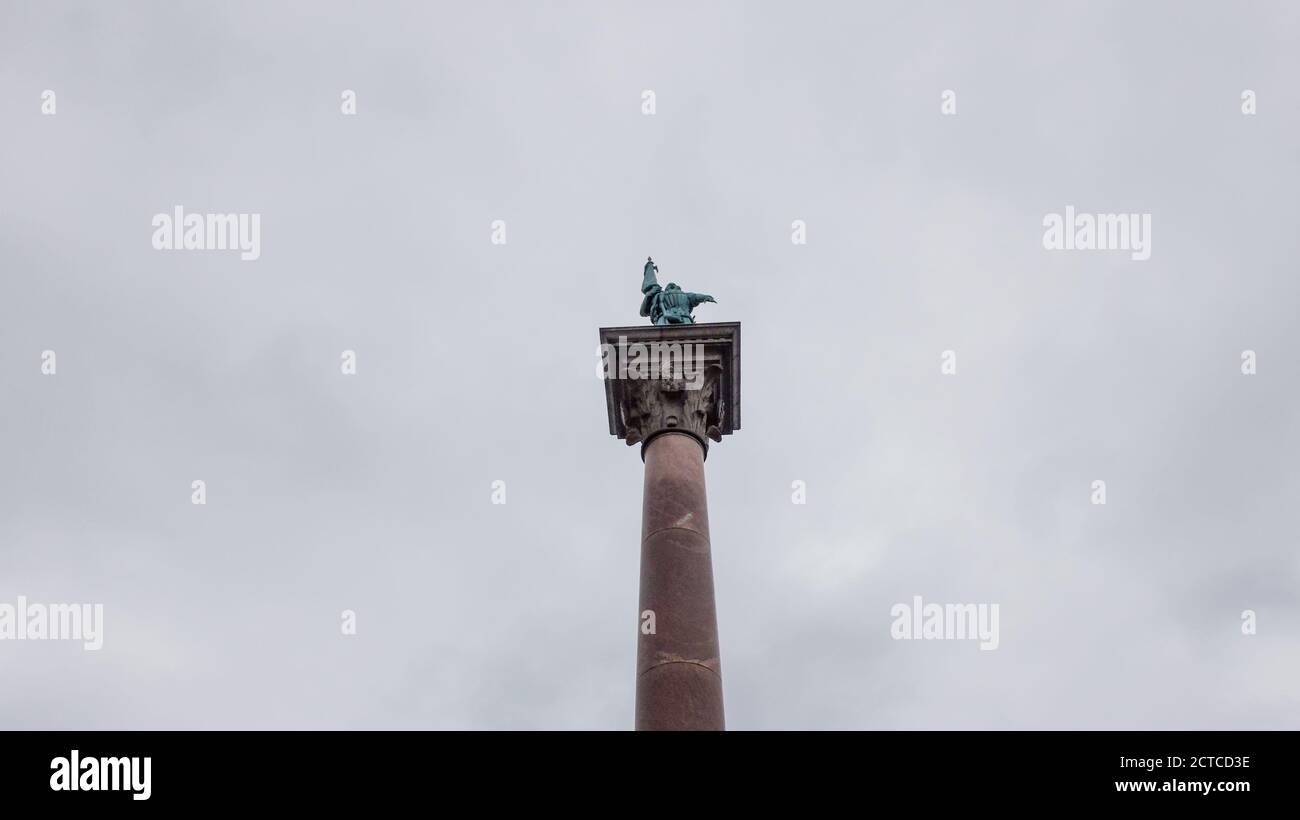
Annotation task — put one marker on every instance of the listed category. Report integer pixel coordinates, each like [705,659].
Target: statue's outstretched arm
[700,298]
[648,282]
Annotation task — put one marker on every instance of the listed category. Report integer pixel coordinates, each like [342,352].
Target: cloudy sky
[476,361]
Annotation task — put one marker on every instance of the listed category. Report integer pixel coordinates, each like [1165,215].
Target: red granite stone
[679,674]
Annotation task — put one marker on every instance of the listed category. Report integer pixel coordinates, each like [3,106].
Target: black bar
[367,769]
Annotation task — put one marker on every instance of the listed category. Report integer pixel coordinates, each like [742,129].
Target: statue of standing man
[670,305]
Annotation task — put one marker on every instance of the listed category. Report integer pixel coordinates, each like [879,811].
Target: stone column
[678,671]
[672,401]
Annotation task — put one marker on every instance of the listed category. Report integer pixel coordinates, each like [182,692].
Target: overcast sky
[476,361]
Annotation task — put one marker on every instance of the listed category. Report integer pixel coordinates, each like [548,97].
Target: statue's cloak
[649,300]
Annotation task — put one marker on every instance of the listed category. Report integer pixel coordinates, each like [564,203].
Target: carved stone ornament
[683,378]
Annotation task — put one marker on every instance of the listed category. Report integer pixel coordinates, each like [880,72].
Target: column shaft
[679,674]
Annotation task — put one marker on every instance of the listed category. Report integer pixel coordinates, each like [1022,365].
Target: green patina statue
[670,305]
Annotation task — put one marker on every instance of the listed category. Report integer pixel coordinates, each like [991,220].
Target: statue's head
[672,286]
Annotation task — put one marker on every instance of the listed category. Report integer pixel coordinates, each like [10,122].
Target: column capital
[672,378]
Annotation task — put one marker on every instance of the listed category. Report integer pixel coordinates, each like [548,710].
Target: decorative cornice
[672,378]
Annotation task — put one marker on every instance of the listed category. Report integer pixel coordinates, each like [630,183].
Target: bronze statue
[670,305]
